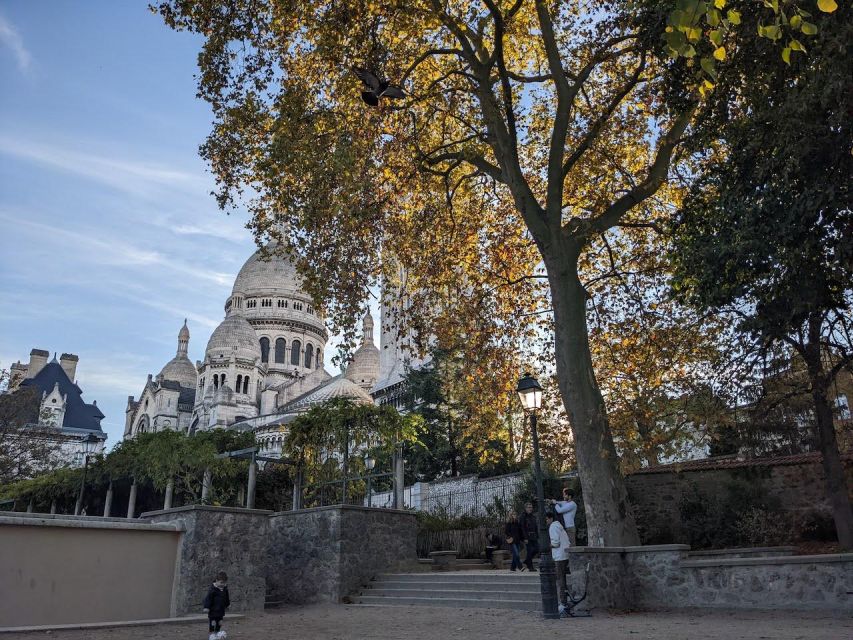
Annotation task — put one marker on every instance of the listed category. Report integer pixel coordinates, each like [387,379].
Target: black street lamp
[90,442]
[369,464]
[530,394]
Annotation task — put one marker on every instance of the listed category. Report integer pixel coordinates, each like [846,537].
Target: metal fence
[364,491]
[487,497]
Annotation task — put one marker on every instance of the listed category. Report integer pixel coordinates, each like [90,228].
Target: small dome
[180,369]
[184,333]
[363,369]
[338,387]
[234,335]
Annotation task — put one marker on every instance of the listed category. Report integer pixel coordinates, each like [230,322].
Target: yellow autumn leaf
[720,53]
[827,6]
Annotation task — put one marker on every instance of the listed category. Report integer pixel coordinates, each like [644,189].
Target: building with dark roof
[62,412]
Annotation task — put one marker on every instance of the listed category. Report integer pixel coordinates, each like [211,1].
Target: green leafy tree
[319,440]
[458,432]
[768,228]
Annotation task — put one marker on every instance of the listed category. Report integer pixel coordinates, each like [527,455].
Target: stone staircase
[464,589]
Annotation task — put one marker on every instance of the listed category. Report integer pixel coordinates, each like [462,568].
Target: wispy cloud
[116,252]
[10,38]
[192,317]
[130,176]
[99,377]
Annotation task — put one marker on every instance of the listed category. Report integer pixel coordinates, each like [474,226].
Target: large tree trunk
[608,514]
[833,467]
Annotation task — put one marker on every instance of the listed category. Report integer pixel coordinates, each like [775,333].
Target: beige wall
[55,571]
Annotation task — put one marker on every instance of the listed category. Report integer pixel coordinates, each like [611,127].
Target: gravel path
[328,622]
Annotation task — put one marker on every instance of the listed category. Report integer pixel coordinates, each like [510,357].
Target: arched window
[215,380]
[222,380]
[246,384]
[295,352]
[265,349]
[309,355]
[239,382]
[279,350]
[319,359]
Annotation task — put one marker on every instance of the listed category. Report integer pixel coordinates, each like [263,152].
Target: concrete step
[462,603]
[464,594]
[516,577]
[484,585]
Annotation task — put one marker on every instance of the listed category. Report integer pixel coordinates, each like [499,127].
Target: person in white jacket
[560,552]
[567,508]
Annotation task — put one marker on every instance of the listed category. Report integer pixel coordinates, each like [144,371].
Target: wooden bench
[443,560]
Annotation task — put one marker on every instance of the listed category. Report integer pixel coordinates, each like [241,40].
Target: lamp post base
[548,587]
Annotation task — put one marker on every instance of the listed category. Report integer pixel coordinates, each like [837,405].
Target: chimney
[17,374]
[38,358]
[68,362]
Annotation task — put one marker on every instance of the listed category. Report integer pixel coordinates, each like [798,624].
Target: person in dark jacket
[514,538]
[493,543]
[216,602]
[530,529]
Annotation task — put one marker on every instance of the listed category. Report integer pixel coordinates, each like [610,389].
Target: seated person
[492,542]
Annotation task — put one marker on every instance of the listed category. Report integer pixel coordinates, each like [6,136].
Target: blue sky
[108,235]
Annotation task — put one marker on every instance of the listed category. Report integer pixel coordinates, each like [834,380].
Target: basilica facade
[263,364]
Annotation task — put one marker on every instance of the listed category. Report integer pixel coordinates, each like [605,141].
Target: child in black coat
[215,603]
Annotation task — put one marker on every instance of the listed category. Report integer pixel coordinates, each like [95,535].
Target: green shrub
[761,527]
[440,520]
[739,514]
[817,526]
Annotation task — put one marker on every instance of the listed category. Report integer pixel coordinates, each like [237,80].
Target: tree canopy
[768,226]
[528,130]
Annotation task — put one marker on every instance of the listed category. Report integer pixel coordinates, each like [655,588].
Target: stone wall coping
[97,523]
[66,516]
[343,507]
[722,552]
[769,561]
[652,548]
[206,507]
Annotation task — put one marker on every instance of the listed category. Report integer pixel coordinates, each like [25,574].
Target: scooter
[575,600]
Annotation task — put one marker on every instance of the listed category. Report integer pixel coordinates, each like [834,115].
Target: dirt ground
[332,622]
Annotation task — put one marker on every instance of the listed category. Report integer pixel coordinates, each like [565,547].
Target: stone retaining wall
[325,554]
[219,539]
[311,555]
[663,576]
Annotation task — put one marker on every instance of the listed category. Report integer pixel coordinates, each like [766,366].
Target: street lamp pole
[369,464]
[530,393]
[89,443]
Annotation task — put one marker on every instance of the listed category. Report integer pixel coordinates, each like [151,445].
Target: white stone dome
[270,274]
[180,369]
[268,293]
[234,335]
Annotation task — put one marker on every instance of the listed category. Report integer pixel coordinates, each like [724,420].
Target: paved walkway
[342,622]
